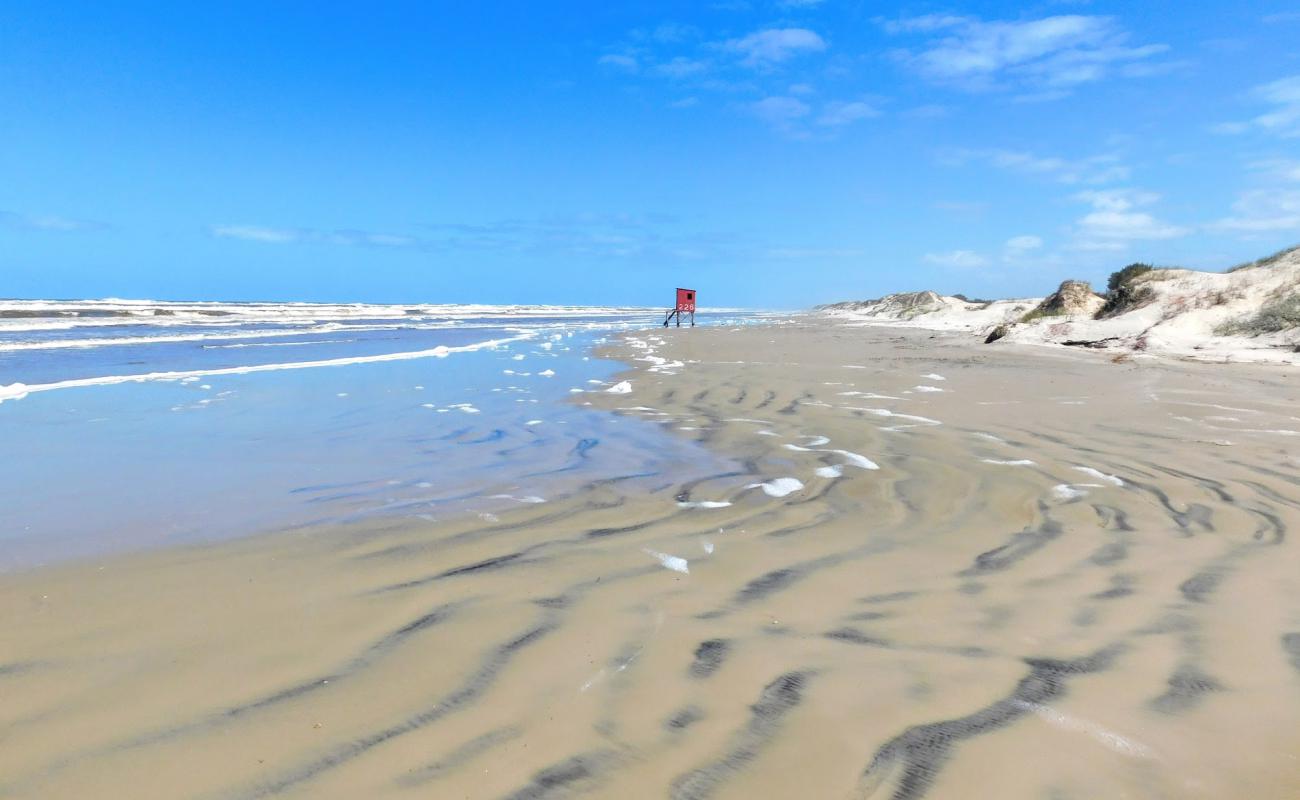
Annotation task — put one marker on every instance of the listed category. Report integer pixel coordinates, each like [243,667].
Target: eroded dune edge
[936,570]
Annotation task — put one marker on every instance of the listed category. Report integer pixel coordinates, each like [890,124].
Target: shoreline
[410,425]
[1044,556]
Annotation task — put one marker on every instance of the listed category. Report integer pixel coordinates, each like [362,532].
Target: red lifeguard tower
[685,305]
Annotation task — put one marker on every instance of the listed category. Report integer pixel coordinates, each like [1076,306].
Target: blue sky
[770,153]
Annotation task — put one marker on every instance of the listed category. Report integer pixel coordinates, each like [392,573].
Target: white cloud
[774,45]
[1018,249]
[838,114]
[46,222]
[1114,220]
[780,111]
[1023,244]
[267,235]
[681,67]
[1117,199]
[1230,128]
[960,259]
[1094,170]
[812,253]
[1283,119]
[1281,169]
[376,239]
[674,32]
[1284,95]
[1263,210]
[924,23]
[256,233]
[619,61]
[1052,54]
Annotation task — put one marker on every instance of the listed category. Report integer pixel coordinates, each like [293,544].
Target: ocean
[133,424]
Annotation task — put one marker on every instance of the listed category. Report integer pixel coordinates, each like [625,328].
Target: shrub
[1280,315]
[1121,295]
[1125,299]
[1126,276]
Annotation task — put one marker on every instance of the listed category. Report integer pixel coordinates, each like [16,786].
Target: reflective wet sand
[1058,577]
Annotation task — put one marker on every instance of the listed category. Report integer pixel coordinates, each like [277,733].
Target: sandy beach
[936,569]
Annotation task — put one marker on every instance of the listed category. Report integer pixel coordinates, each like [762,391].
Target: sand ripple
[959,616]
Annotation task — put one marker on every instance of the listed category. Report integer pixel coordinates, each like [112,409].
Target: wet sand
[1046,575]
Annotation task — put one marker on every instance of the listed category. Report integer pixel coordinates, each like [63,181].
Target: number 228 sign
[685,299]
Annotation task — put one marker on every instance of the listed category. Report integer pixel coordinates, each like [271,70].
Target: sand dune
[1178,312]
[1062,578]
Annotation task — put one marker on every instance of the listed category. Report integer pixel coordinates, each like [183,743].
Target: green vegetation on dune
[1282,314]
[1126,276]
[1123,294]
[1260,262]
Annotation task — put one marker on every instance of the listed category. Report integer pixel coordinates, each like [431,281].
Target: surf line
[18,390]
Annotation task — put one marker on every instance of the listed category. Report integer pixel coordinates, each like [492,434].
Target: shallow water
[124,432]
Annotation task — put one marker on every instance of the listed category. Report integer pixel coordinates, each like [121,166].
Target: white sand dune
[1182,312]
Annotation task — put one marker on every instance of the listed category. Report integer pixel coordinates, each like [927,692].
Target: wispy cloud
[780,111]
[619,61]
[669,33]
[957,259]
[1093,170]
[1282,119]
[596,236]
[838,114]
[682,67]
[765,48]
[1045,57]
[798,119]
[1020,247]
[1277,169]
[1115,220]
[1263,211]
[764,73]
[255,233]
[269,235]
[812,253]
[925,23]
[46,222]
